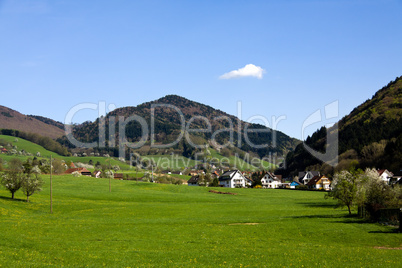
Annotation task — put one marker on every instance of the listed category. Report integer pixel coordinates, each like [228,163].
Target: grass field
[154,225]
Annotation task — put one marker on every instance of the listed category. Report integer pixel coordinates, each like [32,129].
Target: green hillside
[33,149]
[156,225]
[164,162]
[196,116]
[27,146]
[370,136]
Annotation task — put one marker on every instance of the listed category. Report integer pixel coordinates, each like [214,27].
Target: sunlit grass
[144,224]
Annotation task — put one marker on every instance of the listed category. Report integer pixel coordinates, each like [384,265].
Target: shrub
[76,174]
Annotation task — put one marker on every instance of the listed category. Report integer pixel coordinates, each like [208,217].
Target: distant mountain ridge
[168,123]
[11,119]
[370,136]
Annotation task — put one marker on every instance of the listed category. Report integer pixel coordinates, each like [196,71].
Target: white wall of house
[385,176]
[268,182]
[237,180]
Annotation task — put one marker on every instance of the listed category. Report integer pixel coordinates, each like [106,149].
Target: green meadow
[156,225]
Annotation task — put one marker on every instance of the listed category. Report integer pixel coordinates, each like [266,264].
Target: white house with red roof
[385,175]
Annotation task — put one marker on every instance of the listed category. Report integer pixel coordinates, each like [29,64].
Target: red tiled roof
[80,170]
[314,180]
[381,171]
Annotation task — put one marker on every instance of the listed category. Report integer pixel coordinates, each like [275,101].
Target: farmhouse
[306,176]
[118,176]
[249,181]
[232,179]
[269,180]
[82,171]
[193,181]
[385,175]
[319,182]
[397,178]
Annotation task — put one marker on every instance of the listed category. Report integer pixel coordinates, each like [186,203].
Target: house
[193,173]
[249,181]
[97,174]
[82,171]
[176,172]
[294,184]
[319,182]
[215,174]
[269,180]
[71,165]
[232,179]
[397,178]
[193,181]
[118,176]
[306,176]
[4,150]
[385,175]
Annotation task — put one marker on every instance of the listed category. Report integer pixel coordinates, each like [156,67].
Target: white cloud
[248,70]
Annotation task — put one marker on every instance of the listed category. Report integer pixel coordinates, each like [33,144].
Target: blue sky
[57,54]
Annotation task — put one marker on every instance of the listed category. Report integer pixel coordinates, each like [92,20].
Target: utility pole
[152,177]
[51,200]
[110,174]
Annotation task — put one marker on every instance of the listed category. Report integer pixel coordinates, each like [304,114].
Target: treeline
[367,191]
[45,142]
[48,121]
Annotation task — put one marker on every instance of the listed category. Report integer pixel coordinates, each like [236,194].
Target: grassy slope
[143,224]
[175,162]
[240,163]
[34,148]
[164,161]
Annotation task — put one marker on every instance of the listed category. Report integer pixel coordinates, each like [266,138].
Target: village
[235,178]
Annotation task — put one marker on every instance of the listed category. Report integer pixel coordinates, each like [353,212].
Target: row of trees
[18,177]
[365,190]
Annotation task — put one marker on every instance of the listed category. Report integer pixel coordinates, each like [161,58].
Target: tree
[31,185]
[344,189]
[12,181]
[215,182]
[15,164]
[58,166]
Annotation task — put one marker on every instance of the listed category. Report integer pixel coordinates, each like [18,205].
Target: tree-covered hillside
[171,114]
[370,136]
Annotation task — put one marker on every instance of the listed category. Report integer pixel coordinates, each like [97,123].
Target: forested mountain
[370,136]
[11,119]
[168,126]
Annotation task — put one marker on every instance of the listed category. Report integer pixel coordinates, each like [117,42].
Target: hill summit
[11,119]
[177,124]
